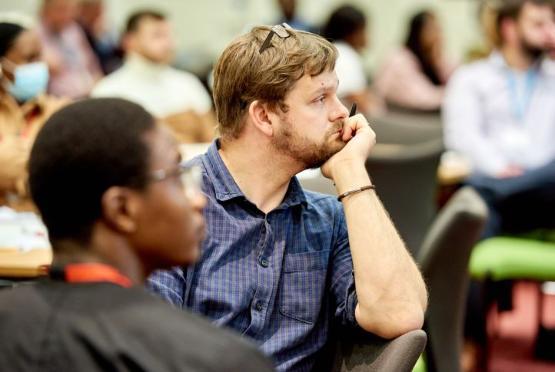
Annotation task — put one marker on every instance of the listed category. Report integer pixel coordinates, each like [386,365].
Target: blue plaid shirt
[277,278]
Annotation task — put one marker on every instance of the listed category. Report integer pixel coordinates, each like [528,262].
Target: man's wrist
[349,175]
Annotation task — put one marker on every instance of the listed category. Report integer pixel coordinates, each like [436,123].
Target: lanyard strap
[520,103]
[90,272]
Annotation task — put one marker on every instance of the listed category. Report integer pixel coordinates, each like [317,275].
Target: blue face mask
[30,80]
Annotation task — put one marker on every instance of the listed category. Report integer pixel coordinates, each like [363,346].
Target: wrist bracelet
[356,191]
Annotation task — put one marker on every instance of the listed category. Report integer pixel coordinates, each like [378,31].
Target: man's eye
[320,99]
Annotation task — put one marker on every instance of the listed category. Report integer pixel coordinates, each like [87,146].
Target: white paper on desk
[22,230]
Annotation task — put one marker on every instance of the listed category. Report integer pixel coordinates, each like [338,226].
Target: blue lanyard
[520,104]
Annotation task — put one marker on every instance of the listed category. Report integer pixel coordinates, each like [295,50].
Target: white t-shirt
[349,69]
[160,89]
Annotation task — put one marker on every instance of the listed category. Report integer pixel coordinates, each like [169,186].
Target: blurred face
[170,225]
[153,40]
[26,49]
[533,28]
[430,36]
[288,8]
[551,41]
[358,39]
[310,131]
[58,14]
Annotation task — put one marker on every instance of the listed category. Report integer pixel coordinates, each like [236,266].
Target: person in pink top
[414,76]
[73,66]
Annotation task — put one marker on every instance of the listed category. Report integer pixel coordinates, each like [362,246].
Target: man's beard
[311,154]
[533,51]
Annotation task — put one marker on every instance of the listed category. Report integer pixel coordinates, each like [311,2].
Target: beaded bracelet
[356,191]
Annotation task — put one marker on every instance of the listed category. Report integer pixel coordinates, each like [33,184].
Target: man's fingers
[347,132]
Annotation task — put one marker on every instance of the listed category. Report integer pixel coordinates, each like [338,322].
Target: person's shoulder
[186,338]
[183,76]
[110,84]
[477,69]
[10,298]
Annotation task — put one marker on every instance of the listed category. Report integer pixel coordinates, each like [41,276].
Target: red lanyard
[95,272]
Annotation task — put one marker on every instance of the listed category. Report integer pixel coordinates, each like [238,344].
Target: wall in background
[205,27]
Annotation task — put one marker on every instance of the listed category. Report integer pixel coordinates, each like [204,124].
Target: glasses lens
[191,178]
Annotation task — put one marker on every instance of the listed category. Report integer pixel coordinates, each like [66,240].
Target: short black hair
[8,34]
[135,19]
[343,22]
[82,150]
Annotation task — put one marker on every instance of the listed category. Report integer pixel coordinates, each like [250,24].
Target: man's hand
[360,139]
[510,172]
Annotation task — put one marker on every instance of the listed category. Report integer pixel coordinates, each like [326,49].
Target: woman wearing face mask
[23,106]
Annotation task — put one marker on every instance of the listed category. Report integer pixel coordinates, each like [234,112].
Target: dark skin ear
[120,206]
[261,117]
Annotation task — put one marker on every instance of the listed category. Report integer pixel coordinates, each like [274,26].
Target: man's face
[310,130]
[431,37]
[170,225]
[534,27]
[153,40]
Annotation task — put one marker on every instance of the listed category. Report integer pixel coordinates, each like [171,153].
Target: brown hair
[243,74]
[510,9]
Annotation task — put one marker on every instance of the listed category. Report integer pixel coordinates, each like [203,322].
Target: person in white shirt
[499,113]
[177,97]
[346,28]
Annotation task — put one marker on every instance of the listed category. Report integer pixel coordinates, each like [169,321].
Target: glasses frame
[190,176]
[279,30]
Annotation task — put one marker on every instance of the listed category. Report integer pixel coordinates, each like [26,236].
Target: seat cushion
[504,257]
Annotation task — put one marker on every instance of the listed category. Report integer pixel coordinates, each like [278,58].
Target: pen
[353,109]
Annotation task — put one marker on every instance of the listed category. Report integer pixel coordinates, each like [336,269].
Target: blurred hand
[511,171]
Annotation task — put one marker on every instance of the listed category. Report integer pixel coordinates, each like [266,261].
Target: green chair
[517,258]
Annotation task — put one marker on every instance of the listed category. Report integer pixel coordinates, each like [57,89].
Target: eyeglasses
[189,176]
[279,30]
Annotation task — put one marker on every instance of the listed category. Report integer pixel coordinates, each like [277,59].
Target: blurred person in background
[346,28]
[487,19]
[414,76]
[73,65]
[146,77]
[102,39]
[288,10]
[24,106]
[499,113]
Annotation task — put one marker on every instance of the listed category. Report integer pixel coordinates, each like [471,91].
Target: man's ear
[262,117]
[120,209]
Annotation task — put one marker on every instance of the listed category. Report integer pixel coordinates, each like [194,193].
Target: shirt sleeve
[170,285]
[463,121]
[342,278]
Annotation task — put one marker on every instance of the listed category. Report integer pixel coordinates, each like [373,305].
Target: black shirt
[58,326]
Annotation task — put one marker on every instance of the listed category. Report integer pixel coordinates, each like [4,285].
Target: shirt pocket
[302,286]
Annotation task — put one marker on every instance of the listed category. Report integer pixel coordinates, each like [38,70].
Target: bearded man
[280,264]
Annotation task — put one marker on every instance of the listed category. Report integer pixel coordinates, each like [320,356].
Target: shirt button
[264,262]
[258,306]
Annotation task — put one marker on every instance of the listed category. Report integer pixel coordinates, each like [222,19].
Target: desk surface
[24,264]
